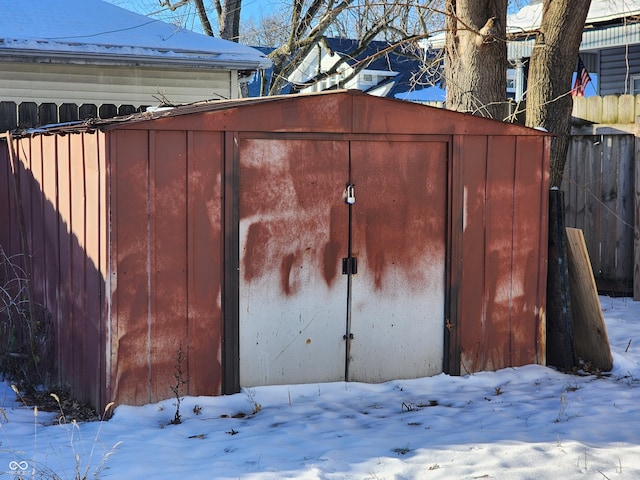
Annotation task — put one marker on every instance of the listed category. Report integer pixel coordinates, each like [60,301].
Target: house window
[635,84]
[367,77]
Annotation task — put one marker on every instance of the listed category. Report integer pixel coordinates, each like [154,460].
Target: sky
[251,9]
[529,422]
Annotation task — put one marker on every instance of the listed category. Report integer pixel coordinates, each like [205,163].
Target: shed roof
[342,111]
[91,31]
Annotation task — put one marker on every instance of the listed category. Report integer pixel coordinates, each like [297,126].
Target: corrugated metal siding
[616,67]
[9,221]
[165,195]
[501,280]
[63,204]
[80,84]
[165,286]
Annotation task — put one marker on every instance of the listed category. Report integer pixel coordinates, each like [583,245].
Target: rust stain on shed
[142,229]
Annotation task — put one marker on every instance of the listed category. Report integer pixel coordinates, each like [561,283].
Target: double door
[341,259]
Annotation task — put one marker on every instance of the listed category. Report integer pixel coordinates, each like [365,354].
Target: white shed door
[292,231]
[399,233]
[303,320]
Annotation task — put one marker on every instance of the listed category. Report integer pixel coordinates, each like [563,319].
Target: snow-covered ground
[518,423]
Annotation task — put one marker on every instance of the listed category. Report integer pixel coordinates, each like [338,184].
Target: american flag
[582,79]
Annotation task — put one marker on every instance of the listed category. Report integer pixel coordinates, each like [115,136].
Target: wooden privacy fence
[30,114]
[602,189]
[610,109]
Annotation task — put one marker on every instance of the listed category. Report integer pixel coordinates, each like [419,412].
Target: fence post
[560,352]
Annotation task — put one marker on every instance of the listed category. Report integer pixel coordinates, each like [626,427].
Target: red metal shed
[294,239]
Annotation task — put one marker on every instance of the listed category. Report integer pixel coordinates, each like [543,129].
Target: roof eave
[194,60]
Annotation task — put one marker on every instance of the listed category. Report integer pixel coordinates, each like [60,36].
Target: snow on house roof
[529,17]
[402,61]
[97,31]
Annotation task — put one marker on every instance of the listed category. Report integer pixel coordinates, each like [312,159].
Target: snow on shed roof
[94,30]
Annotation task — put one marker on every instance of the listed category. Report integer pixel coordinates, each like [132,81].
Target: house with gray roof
[75,53]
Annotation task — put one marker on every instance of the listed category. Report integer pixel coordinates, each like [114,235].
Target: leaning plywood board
[590,339]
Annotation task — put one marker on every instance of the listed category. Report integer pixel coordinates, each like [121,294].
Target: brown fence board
[88,110]
[608,196]
[68,112]
[27,115]
[31,114]
[8,116]
[625,211]
[107,110]
[590,338]
[47,113]
[599,182]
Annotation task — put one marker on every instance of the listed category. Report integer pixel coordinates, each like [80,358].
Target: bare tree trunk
[553,62]
[229,19]
[476,61]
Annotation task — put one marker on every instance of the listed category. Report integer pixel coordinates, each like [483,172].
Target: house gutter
[196,60]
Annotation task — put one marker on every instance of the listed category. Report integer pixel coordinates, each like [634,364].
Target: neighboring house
[92,52]
[392,74]
[255,83]
[610,48]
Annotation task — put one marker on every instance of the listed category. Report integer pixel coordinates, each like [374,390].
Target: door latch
[350,195]
[349,265]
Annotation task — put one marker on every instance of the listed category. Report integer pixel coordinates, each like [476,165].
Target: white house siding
[118,85]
